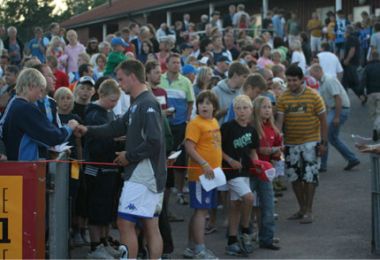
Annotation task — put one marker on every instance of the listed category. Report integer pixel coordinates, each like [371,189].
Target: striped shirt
[301,116]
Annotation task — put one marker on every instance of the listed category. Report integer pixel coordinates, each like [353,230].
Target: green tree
[75,7]
[26,14]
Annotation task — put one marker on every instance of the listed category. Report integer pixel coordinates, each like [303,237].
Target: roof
[121,8]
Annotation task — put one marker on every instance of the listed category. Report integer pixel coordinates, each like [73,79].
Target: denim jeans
[333,137]
[264,190]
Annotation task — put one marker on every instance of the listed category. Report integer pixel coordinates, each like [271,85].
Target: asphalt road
[342,211]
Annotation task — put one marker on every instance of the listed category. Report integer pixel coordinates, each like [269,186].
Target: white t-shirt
[298,57]
[330,63]
[122,104]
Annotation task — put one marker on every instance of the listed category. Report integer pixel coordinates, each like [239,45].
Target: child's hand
[208,172]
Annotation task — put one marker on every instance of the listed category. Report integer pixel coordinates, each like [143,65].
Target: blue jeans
[333,137]
[264,191]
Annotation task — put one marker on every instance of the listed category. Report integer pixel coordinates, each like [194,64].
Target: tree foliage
[26,14]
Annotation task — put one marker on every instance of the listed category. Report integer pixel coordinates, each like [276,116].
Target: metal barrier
[58,208]
[375,180]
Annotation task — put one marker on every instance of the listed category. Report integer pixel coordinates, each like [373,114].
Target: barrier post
[375,180]
[58,207]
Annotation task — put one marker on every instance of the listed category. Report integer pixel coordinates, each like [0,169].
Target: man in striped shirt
[302,117]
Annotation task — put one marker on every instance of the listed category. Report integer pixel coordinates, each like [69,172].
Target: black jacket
[370,78]
[99,149]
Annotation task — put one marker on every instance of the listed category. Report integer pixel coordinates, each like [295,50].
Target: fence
[375,164]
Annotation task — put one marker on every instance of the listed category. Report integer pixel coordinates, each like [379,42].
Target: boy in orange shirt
[203,145]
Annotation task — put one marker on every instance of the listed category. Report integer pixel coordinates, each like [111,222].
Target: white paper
[280,168]
[361,140]
[174,155]
[271,174]
[60,147]
[219,180]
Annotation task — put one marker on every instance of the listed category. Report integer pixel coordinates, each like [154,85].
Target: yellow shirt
[205,133]
[301,116]
[312,24]
[330,31]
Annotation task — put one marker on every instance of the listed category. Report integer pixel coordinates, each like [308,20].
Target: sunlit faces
[253,92]
[125,81]
[50,78]
[294,83]
[174,65]
[65,102]
[243,111]
[109,102]
[266,110]
[154,76]
[205,109]
[35,93]
[84,92]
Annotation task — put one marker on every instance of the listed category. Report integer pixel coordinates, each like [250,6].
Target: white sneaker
[188,253]
[205,254]
[77,239]
[86,237]
[123,252]
[99,253]
[112,251]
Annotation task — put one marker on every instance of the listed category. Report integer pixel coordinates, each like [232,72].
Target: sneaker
[123,252]
[205,254]
[246,242]
[270,247]
[86,238]
[99,253]
[351,165]
[188,253]
[276,240]
[210,229]
[112,251]
[255,236]
[77,239]
[275,216]
[235,250]
[166,256]
[181,199]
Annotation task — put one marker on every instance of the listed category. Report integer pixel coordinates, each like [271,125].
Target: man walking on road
[302,116]
[338,109]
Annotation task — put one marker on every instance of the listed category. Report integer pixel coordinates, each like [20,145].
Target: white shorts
[222,188]
[137,200]
[315,43]
[239,187]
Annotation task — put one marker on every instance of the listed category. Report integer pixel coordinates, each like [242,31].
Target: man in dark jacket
[371,82]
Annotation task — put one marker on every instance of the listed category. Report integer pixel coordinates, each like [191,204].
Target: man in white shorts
[143,160]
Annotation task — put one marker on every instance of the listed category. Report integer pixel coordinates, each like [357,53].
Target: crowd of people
[226,92]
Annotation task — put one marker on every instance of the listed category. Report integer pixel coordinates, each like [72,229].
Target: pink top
[264,63]
[72,53]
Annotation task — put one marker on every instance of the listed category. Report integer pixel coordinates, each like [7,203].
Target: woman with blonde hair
[203,80]
[270,149]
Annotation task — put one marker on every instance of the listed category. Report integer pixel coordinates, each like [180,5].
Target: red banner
[22,210]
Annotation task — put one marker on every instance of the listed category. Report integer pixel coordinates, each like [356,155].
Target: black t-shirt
[352,41]
[237,143]
[64,120]
[79,109]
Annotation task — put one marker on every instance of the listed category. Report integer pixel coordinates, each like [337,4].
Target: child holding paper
[239,143]
[203,144]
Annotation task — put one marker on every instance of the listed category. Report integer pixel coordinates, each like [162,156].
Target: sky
[60,6]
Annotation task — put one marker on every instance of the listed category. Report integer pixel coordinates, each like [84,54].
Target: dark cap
[223,59]
[185,46]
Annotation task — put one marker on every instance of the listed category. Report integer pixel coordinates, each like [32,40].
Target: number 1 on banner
[4,239]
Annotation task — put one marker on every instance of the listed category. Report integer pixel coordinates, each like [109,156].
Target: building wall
[83,34]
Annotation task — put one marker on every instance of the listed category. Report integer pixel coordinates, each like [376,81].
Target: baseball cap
[187,69]
[86,80]
[223,58]
[119,41]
